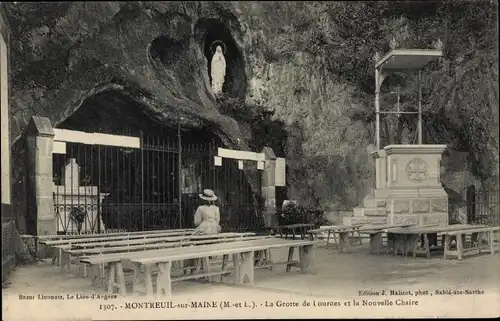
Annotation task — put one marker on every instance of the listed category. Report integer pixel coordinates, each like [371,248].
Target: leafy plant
[293,214]
[78,216]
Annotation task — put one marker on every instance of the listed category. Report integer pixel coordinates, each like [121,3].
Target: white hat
[208,195]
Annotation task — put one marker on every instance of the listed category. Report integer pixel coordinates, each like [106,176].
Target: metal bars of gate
[482,206]
[108,188]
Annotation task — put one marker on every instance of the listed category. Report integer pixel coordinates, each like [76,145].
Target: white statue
[218,70]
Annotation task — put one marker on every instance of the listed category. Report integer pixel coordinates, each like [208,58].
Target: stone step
[357,211]
[363,211]
[363,220]
[374,202]
[380,211]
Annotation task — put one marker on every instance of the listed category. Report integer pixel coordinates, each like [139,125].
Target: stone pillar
[380,168]
[4,104]
[269,188]
[40,139]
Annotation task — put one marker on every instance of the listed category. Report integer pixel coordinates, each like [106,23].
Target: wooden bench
[477,237]
[67,251]
[59,245]
[375,233]
[300,227]
[348,235]
[113,262]
[78,236]
[407,240]
[242,256]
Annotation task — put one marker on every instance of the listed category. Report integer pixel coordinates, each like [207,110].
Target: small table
[300,227]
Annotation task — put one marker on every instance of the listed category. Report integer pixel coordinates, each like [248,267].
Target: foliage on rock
[309,62]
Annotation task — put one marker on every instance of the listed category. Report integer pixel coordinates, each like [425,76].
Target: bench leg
[94,274]
[236,264]
[269,259]
[116,279]
[65,261]
[120,278]
[356,237]
[111,277]
[427,246]
[55,255]
[303,233]
[306,259]
[474,239]
[390,242]
[460,247]
[246,268]
[164,281]
[375,242]
[148,279]
[225,258]
[410,244]
[335,240]
[446,246]
[344,241]
[137,276]
[398,244]
[328,239]
[491,240]
[206,266]
[59,255]
[290,258]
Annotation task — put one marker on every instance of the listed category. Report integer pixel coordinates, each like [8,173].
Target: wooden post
[377,108]
[419,84]
[179,141]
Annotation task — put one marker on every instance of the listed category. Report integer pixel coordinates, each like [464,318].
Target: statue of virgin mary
[218,70]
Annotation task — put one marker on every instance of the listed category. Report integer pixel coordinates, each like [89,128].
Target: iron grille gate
[102,189]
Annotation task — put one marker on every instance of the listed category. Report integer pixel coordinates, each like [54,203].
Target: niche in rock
[174,56]
[211,34]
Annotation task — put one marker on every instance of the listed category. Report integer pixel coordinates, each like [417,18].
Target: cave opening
[210,33]
[151,185]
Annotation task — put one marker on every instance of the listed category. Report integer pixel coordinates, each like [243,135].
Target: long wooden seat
[242,253]
[348,235]
[113,238]
[135,240]
[81,249]
[477,237]
[78,236]
[60,244]
[283,230]
[408,239]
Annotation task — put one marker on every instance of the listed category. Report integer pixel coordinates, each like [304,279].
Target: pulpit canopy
[400,59]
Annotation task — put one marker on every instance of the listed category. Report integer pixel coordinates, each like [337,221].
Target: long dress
[206,220]
[218,70]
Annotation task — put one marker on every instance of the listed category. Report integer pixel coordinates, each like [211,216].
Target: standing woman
[207,216]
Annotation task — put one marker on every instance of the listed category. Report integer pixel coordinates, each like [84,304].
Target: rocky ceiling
[135,58]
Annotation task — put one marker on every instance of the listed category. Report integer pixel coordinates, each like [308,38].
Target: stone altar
[70,195]
[414,191]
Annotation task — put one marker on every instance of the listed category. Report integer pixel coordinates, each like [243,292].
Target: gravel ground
[330,293]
